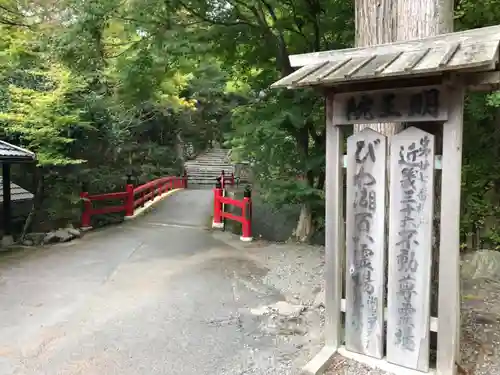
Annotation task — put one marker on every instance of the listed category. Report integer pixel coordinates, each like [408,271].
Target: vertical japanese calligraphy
[365,235]
[410,246]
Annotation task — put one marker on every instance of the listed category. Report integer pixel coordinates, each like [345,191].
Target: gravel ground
[295,323]
[344,366]
[480,343]
[296,270]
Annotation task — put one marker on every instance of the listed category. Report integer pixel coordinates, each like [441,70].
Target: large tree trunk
[422,18]
[385,21]
[375,22]
[304,229]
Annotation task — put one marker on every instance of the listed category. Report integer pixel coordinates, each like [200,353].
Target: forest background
[104,88]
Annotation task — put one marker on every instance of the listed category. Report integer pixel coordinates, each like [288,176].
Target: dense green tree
[102,88]
[99,89]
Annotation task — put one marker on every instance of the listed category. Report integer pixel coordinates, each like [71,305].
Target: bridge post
[217,219]
[87,206]
[129,202]
[246,227]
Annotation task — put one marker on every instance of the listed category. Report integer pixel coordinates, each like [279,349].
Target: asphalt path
[154,295]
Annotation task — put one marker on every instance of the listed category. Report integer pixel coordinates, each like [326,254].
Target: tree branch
[216,22]
[16,13]
[12,23]
[286,68]
[314,10]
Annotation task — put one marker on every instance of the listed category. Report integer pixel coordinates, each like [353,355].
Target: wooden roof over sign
[473,50]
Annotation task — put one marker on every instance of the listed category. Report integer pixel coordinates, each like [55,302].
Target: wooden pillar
[334,227]
[6,199]
[449,248]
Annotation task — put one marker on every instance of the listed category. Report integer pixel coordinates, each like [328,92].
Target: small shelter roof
[17,193]
[11,153]
[473,50]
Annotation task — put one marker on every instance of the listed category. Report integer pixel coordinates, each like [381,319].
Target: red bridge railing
[130,199]
[220,201]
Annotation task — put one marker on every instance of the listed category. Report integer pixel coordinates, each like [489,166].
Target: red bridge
[135,200]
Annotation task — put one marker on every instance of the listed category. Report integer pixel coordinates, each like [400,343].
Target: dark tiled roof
[11,152]
[17,193]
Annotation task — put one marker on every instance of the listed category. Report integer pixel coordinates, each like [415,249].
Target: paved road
[156,295]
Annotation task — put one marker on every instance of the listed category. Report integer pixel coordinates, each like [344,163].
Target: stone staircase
[208,166]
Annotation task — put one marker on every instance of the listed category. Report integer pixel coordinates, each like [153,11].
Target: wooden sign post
[411,163]
[411,82]
[365,231]
[414,104]
[410,248]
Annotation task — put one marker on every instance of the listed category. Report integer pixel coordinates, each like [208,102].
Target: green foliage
[267,132]
[102,88]
[42,118]
[481,170]
[481,164]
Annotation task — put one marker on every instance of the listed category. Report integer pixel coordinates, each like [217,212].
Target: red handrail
[246,213]
[147,192]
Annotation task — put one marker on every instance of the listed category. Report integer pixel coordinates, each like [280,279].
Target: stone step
[210,183]
[215,161]
[211,178]
[209,165]
[206,160]
[204,169]
[214,153]
[210,169]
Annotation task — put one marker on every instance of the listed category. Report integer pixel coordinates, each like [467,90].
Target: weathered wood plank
[404,105]
[474,54]
[416,62]
[342,70]
[297,75]
[434,320]
[407,62]
[468,37]
[449,248]
[365,232]
[410,248]
[476,50]
[335,244]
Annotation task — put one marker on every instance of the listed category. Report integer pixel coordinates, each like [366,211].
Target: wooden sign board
[416,104]
[365,235]
[410,248]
